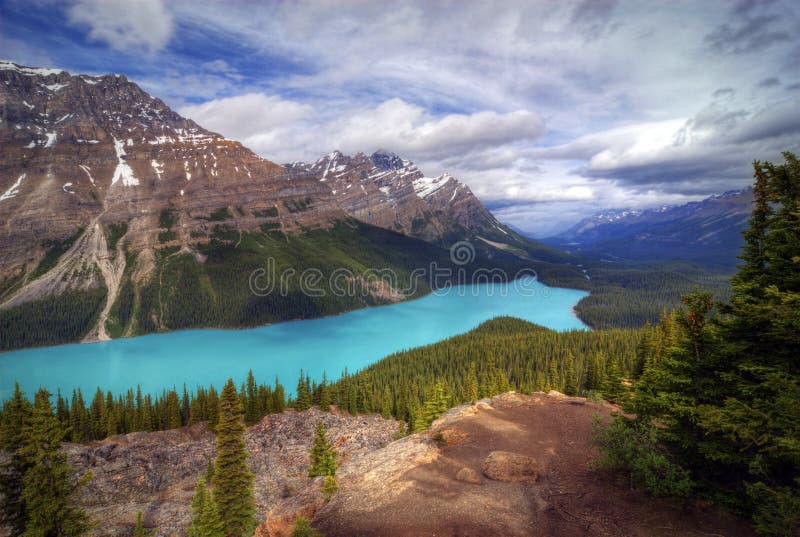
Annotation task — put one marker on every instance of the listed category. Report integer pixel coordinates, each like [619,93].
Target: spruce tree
[323,456]
[386,402]
[174,416]
[612,387]
[206,520]
[471,383]
[251,402]
[278,397]
[209,477]
[16,413]
[324,394]
[139,530]
[570,378]
[212,407]
[233,481]
[303,400]
[435,404]
[47,483]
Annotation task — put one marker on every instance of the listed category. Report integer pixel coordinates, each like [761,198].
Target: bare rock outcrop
[156,472]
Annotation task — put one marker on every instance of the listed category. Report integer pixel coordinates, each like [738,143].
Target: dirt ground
[569,499]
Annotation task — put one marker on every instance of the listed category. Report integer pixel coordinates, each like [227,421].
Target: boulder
[468,475]
[509,467]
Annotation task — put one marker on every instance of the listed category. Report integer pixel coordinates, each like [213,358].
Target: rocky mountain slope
[390,192]
[706,231]
[514,465]
[147,222]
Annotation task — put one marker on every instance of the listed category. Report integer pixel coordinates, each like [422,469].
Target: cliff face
[390,192]
[80,151]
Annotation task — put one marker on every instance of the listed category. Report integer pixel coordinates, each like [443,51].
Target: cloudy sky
[549,110]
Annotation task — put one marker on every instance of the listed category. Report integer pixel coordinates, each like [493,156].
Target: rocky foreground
[156,472]
[514,465]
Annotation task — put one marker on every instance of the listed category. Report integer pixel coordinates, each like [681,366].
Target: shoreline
[328,316]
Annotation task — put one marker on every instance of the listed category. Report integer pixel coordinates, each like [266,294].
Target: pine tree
[303,400]
[612,387]
[212,408]
[78,419]
[553,381]
[47,483]
[199,500]
[233,481]
[209,477]
[278,397]
[435,404]
[251,402]
[570,379]
[386,402]
[595,375]
[323,456]
[139,530]
[196,414]
[174,416]
[471,383]
[185,404]
[98,417]
[206,520]
[16,413]
[324,394]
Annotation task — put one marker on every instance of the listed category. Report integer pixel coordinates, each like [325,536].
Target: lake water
[352,340]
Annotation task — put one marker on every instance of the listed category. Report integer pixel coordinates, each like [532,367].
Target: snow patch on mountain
[123,171]
[14,189]
[425,186]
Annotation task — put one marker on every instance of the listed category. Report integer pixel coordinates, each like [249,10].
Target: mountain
[120,217]
[707,232]
[390,192]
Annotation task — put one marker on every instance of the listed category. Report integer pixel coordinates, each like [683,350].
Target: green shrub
[633,447]
[303,528]
[595,395]
[329,487]
[776,509]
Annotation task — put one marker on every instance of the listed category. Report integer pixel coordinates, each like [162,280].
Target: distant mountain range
[140,220]
[708,232]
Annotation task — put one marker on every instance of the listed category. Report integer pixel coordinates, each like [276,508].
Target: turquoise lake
[352,340]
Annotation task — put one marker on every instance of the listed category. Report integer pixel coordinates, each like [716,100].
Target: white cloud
[644,102]
[285,130]
[124,24]
[248,115]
